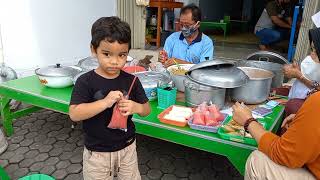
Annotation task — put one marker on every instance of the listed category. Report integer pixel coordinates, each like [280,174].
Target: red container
[133,69]
[170,121]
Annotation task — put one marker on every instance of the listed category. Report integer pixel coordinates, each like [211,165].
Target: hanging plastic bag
[118,121]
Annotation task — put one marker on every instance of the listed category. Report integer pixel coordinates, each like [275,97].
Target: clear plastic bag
[118,121]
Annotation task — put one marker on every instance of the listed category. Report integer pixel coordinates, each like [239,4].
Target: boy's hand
[112,98]
[128,107]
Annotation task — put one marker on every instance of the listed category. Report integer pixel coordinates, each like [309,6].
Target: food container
[178,74]
[162,118]
[224,134]
[257,89]
[150,80]
[269,61]
[196,93]
[213,129]
[57,76]
[133,69]
[208,80]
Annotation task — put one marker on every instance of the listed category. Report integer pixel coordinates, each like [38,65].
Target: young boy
[107,151]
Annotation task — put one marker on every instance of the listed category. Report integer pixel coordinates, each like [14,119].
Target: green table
[30,91]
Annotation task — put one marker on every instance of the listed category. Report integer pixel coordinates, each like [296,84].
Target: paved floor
[44,142]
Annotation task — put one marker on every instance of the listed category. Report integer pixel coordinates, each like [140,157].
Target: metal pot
[57,76]
[272,62]
[150,80]
[270,66]
[177,78]
[7,73]
[196,93]
[88,63]
[268,57]
[257,89]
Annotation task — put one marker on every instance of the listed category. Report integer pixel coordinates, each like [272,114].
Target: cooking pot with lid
[57,76]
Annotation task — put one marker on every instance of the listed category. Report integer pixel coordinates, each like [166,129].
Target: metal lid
[153,78]
[267,56]
[218,74]
[88,63]
[58,71]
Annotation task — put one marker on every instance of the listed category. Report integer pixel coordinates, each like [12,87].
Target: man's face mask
[188,31]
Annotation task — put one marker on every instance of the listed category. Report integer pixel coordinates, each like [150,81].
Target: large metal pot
[57,76]
[150,80]
[179,78]
[274,67]
[257,88]
[196,93]
[269,61]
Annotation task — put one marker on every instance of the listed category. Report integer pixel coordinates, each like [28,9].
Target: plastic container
[170,121]
[213,129]
[166,98]
[133,69]
[245,140]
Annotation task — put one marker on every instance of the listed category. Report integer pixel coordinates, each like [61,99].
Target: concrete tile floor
[44,142]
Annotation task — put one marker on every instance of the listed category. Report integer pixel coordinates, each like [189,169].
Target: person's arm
[138,103]
[293,71]
[173,61]
[297,145]
[272,10]
[85,111]
[241,114]
[130,107]
[279,22]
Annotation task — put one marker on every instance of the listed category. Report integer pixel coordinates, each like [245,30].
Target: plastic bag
[118,121]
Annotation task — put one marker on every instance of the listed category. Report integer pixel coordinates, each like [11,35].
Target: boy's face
[111,56]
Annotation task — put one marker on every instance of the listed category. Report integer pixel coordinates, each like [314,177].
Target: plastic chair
[5,176]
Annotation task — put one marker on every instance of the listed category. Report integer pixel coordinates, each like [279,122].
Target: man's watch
[247,123]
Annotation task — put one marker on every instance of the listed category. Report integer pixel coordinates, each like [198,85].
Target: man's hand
[112,98]
[128,107]
[292,70]
[163,56]
[241,113]
[286,122]
[169,62]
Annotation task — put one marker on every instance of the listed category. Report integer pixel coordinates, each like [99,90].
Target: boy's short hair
[111,29]
[195,10]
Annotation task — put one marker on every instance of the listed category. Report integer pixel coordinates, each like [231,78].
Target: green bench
[223,24]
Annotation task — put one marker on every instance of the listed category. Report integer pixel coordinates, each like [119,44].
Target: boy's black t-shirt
[91,87]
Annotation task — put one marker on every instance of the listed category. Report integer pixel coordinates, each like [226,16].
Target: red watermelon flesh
[198,118]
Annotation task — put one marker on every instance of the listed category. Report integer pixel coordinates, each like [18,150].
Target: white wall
[38,33]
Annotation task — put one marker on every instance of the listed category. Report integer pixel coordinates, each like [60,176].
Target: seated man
[274,23]
[190,45]
[294,155]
